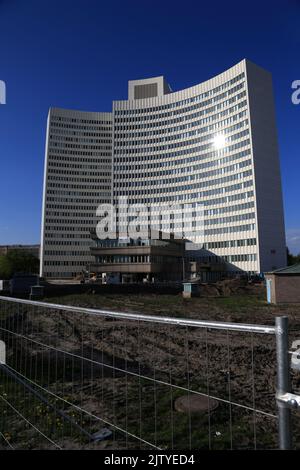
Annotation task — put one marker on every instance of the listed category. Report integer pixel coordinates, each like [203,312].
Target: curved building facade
[212,146]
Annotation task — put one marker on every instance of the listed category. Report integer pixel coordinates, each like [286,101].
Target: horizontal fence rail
[82,378]
[150,318]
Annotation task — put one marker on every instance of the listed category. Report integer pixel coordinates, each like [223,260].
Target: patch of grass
[240,303]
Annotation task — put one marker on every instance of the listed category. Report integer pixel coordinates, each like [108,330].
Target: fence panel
[93,379]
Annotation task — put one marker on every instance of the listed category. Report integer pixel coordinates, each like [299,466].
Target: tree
[292,259]
[16,261]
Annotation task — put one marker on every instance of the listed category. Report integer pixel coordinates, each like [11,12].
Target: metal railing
[74,376]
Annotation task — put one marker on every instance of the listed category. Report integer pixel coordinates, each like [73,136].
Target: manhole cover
[195,404]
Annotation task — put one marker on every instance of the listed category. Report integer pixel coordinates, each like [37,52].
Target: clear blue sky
[80,54]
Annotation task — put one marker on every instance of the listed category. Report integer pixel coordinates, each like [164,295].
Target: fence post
[283,383]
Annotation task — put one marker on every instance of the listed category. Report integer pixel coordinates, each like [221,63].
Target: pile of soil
[229,287]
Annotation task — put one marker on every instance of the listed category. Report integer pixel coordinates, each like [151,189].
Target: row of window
[191,119]
[181,127]
[66,253]
[173,145]
[181,212]
[183,111]
[55,145]
[240,258]
[70,207]
[184,221]
[63,205]
[73,193]
[82,174]
[82,200]
[223,230]
[229,199]
[230,243]
[187,169]
[129,259]
[75,138]
[58,125]
[56,133]
[154,199]
[66,274]
[71,175]
[82,121]
[70,228]
[234,208]
[114,243]
[76,253]
[80,243]
[52,217]
[63,164]
[111,259]
[169,155]
[79,152]
[80,187]
[183,135]
[51,235]
[75,159]
[143,181]
[186,187]
[204,259]
[157,112]
[164,199]
[64,263]
[230,219]
[80,180]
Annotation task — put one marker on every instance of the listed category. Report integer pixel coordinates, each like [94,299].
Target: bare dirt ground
[148,366]
[224,301]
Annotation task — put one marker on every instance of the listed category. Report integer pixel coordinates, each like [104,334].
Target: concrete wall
[266,167]
[285,288]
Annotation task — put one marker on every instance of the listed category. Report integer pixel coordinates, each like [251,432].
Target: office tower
[211,147]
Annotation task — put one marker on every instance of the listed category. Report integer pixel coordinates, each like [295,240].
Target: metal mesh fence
[83,379]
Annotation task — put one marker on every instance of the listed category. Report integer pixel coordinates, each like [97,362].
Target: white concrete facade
[77,178]
[164,151]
